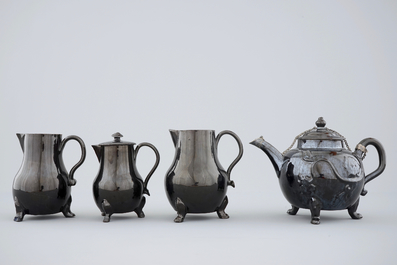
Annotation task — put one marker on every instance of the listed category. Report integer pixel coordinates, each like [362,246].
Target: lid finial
[117,137]
[320,122]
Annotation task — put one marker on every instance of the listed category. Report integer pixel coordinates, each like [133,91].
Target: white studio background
[271,68]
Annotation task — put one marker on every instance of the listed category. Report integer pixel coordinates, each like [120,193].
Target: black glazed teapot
[322,173]
[118,187]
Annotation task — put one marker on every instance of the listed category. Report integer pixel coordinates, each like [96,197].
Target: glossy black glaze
[118,187]
[323,178]
[42,184]
[196,182]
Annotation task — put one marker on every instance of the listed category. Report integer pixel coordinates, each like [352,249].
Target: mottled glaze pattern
[321,174]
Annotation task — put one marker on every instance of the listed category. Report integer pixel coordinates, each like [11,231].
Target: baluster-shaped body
[42,184]
[196,182]
[118,187]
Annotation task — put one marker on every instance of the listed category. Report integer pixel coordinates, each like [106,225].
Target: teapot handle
[71,180]
[145,190]
[361,151]
[240,153]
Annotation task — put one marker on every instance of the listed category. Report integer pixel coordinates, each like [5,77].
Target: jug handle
[361,151]
[71,180]
[240,153]
[156,152]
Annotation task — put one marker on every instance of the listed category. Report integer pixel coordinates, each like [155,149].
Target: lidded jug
[118,187]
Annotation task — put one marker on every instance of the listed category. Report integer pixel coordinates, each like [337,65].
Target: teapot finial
[320,122]
[117,137]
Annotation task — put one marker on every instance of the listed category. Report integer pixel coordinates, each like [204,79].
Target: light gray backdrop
[271,68]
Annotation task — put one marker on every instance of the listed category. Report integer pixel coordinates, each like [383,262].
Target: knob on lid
[320,122]
[117,137]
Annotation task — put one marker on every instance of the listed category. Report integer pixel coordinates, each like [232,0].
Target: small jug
[118,187]
[42,184]
[196,182]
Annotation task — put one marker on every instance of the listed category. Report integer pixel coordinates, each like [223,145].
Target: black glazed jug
[42,184]
[196,182]
[118,187]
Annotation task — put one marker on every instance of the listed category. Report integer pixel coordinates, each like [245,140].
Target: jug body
[118,186]
[43,185]
[196,182]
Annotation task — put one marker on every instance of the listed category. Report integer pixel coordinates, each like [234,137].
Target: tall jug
[42,184]
[196,182]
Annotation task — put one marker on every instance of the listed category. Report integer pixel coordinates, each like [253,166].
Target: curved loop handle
[71,180]
[361,150]
[240,153]
[145,190]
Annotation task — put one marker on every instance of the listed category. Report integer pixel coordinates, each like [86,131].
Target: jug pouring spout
[21,138]
[97,149]
[174,136]
[274,155]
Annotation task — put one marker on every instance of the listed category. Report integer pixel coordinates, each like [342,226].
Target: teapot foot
[20,211]
[293,211]
[181,211]
[315,220]
[19,217]
[352,211]
[66,209]
[221,210]
[138,210]
[315,208]
[107,211]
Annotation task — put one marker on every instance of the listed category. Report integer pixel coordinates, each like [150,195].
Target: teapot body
[43,185]
[196,182]
[335,179]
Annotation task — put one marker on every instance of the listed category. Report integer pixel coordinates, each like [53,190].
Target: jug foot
[352,211]
[221,210]
[181,211]
[138,210]
[20,211]
[293,211]
[315,208]
[66,209]
[107,211]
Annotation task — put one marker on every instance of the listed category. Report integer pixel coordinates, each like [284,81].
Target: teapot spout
[97,149]
[174,136]
[21,138]
[274,155]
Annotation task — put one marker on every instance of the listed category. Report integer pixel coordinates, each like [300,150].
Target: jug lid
[117,140]
[321,137]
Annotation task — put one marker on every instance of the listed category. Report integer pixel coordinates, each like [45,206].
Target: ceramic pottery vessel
[322,173]
[118,187]
[42,184]
[196,182]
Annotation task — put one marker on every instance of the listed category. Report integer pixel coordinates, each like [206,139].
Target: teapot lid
[321,133]
[117,140]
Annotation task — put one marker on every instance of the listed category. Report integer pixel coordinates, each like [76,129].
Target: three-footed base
[315,209]
[42,207]
[182,210]
[107,210]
